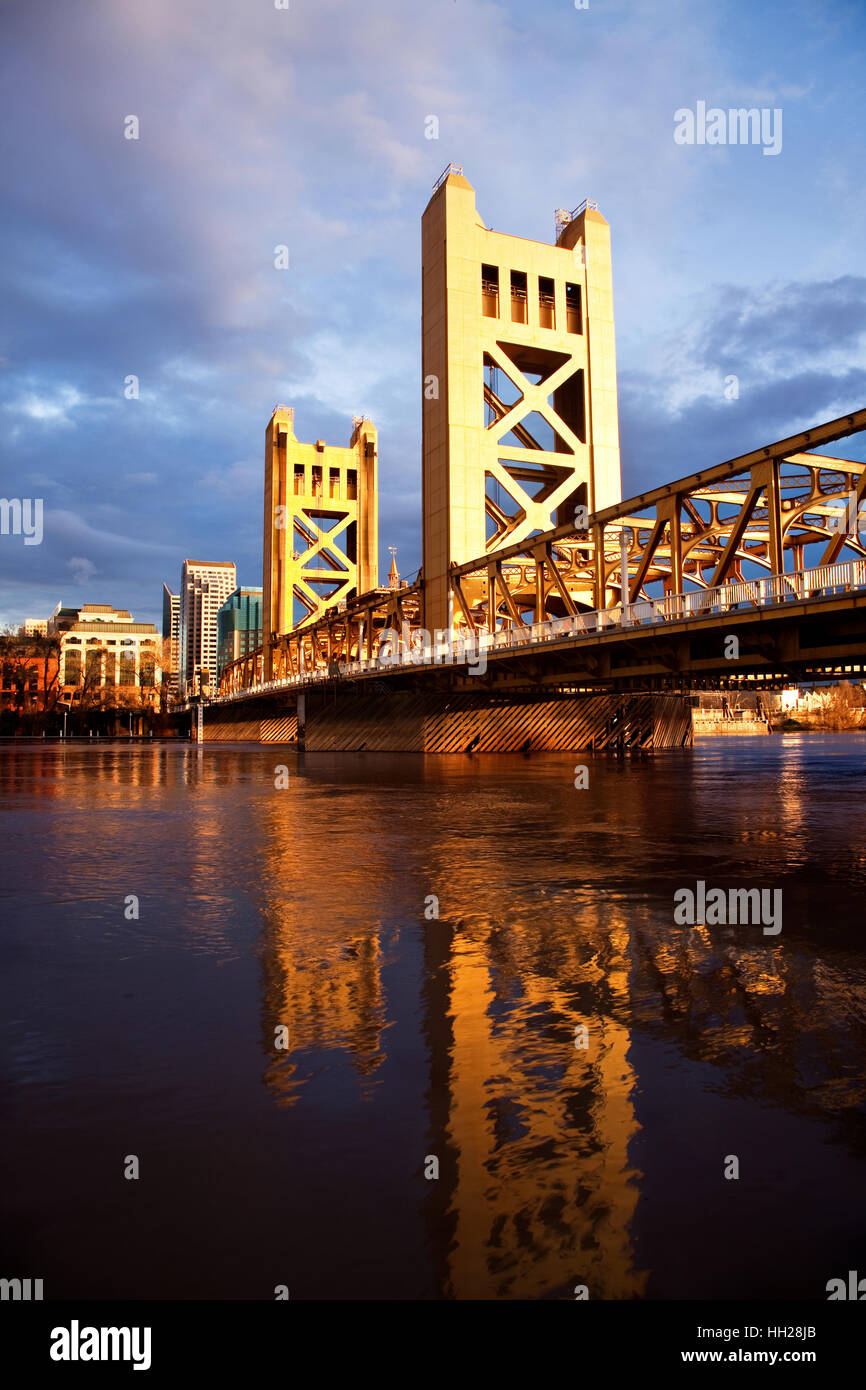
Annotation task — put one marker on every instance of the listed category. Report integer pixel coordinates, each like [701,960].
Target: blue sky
[306,127]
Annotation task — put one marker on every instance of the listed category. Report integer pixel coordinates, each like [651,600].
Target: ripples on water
[412,1037]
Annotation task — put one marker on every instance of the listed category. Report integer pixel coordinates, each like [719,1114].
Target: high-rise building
[320,539]
[239,625]
[35,627]
[204,587]
[171,635]
[519,368]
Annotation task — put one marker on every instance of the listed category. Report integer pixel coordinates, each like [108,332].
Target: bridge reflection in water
[551,920]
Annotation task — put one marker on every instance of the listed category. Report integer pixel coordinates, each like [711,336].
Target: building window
[518,297]
[490,291]
[72,668]
[546,303]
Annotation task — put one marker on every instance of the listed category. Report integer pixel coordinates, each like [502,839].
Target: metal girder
[693,533]
[339,635]
[696,532]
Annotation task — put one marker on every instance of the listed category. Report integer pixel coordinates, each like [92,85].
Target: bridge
[575,608]
[780,502]
[763,624]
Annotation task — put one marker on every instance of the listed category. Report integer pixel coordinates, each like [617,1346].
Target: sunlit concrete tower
[320,539]
[519,373]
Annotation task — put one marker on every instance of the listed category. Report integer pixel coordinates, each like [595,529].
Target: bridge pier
[302,720]
[363,718]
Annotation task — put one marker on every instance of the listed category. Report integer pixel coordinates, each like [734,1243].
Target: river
[541,1089]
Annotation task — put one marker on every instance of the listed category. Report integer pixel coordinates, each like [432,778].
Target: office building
[103,651]
[170,637]
[204,587]
[239,625]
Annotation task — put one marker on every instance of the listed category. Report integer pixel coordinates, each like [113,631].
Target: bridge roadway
[808,624]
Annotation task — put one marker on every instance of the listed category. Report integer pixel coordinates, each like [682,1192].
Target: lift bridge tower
[320,536]
[520,421]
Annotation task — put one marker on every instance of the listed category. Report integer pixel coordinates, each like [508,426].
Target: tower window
[573,320]
[490,291]
[546,303]
[518,296]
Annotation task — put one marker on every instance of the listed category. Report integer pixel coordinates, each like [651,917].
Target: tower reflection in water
[531,1131]
[556,912]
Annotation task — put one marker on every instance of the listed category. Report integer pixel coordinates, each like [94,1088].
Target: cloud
[244,479]
[306,127]
[82,568]
[797,354]
[46,409]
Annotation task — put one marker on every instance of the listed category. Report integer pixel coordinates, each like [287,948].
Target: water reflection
[454,1037]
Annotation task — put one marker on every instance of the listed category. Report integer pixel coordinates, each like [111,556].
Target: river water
[431,1130]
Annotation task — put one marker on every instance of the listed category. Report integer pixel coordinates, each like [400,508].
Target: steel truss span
[776,528]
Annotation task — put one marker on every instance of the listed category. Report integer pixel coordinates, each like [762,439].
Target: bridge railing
[796,586]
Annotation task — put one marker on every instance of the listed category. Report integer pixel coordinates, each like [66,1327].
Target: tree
[30,671]
[91,691]
[842,706]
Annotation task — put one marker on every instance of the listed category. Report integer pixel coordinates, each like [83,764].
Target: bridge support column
[302,724]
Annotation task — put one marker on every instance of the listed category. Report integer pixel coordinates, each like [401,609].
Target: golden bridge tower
[320,540]
[519,372]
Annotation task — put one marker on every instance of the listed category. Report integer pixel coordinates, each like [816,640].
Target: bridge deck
[794,597]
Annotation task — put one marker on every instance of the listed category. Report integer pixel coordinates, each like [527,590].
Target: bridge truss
[755,514]
[776,511]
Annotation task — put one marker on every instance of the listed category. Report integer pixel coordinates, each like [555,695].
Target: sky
[307,126]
